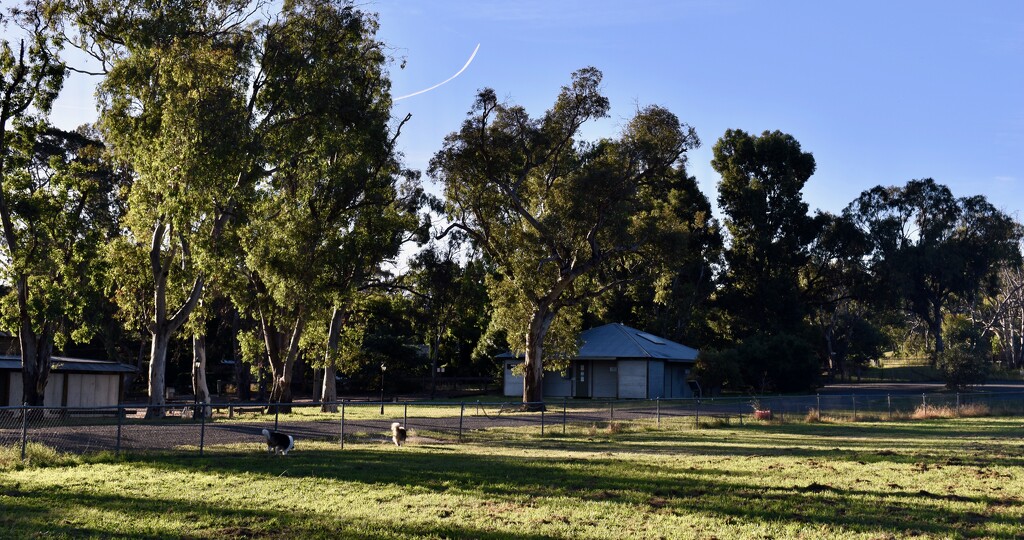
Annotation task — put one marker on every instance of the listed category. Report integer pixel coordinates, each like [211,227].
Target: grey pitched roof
[620,341]
[79,365]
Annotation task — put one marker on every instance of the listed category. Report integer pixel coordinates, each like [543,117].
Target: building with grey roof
[73,382]
[617,362]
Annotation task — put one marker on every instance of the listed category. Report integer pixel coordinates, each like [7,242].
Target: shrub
[962,366]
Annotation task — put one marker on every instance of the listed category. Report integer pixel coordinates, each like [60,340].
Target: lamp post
[382,369]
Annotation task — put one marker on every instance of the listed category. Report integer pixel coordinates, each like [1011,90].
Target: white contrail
[471,57]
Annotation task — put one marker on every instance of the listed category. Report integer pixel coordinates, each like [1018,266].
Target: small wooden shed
[618,362]
[73,382]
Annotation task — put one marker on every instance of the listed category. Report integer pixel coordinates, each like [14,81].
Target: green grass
[932,479]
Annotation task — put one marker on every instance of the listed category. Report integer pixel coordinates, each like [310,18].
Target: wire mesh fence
[185,428]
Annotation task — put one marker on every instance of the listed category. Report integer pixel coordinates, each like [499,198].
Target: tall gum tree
[562,221]
[221,106]
[335,203]
[65,211]
[173,106]
[31,75]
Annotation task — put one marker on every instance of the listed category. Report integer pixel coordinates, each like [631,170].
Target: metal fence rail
[184,428]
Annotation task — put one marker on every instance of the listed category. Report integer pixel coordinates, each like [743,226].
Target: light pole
[382,369]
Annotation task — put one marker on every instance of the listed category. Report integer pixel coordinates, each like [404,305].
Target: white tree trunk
[329,389]
[157,373]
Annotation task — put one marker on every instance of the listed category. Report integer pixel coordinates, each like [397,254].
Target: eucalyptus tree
[561,220]
[63,205]
[1004,316]
[676,303]
[174,106]
[834,281]
[335,203]
[38,202]
[928,247]
[229,114]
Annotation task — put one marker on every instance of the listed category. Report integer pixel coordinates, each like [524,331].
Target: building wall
[92,390]
[612,379]
[632,379]
[83,389]
[51,397]
[555,385]
[605,377]
[675,381]
[655,379]
[513,382]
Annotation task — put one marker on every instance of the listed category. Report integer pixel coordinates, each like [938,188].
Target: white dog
[398,433]
[278,442]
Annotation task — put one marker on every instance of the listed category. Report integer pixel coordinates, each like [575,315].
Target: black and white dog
[278,442]
[398,433]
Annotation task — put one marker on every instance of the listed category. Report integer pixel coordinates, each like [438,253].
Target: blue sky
[879,92]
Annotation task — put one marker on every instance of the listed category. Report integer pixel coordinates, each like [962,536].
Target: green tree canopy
[334,203]
[769,229]
[37,260]
[562,220]
[928,247]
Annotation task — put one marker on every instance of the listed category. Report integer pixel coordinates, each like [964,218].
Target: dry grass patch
[970,410]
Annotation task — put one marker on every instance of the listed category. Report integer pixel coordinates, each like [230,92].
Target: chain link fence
[184,427]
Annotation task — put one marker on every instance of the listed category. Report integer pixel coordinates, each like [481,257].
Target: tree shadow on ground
[616,480]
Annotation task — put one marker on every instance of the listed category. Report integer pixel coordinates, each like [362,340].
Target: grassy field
[934,478]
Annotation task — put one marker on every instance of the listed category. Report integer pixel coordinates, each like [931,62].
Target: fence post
[611,410]
[854,398]
[542,422]
[696,419]
[888,404]
[924,403]
[120,420]
[657,410]
[405,416]
[462,412]
[24,428]
[231,411]
[202,431]
[958,403]
[565,403]
[818,397]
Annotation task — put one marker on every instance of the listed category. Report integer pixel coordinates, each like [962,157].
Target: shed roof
[63,364]
[620,341]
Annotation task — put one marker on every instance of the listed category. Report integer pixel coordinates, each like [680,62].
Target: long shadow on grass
[643,487]
[934,446]
[45,513]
